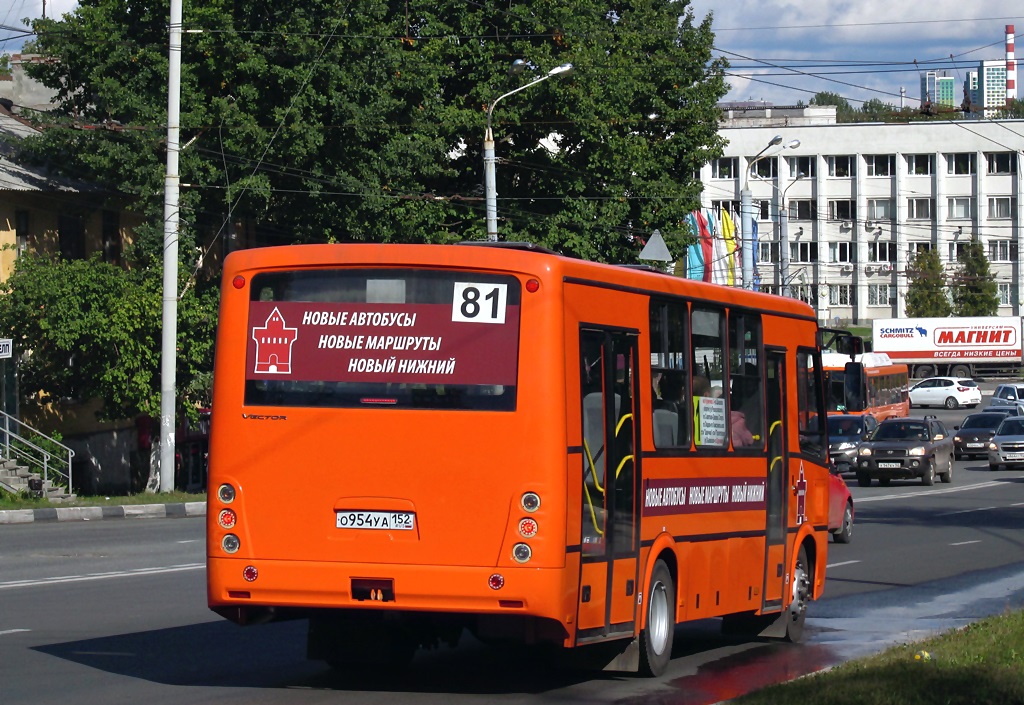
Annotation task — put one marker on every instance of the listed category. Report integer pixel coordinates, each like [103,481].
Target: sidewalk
[131,511]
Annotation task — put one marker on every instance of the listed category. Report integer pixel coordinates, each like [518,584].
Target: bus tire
[801,597]
[660,620]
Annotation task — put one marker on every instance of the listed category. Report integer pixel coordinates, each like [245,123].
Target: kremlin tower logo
[274,345]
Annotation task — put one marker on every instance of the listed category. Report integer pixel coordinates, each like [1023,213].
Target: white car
[950,392]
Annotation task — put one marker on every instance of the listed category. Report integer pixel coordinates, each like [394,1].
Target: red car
[840,508]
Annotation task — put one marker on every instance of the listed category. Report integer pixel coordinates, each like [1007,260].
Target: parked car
[840,507]
[950,392]
[1011,395]
[845,433]
[906,447]
[971,437]
[1007,445]
[1015,410]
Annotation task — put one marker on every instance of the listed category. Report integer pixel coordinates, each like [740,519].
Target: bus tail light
[230,543]
[530,501]
[521,552]
[238,282]
[250,573]
[532,286]
[227,518]
[496,581]
[527,528]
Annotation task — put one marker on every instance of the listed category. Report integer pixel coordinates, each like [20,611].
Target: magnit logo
[264,417]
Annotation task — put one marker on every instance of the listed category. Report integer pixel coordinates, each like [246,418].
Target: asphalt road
[115,611]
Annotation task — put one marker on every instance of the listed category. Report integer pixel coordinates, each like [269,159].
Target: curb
[132,511]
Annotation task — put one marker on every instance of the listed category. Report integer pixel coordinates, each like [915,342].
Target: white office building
[871,196]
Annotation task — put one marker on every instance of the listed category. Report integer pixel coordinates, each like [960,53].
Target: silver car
[1007,446]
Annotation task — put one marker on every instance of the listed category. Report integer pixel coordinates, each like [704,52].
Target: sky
[860,50]
[784,51]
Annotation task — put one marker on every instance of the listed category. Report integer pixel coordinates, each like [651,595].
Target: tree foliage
[844,111]
[363,121]
[975,292]
[92,330]
[927,289]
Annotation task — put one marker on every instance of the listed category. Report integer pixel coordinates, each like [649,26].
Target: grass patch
[981,664]
[9,501]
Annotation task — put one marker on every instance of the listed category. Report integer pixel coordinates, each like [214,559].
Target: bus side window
[746,415]
[707,343]
[668,340]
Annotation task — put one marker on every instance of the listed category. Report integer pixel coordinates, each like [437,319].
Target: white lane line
[924,493]
[191,541]
[965,511]
[965,543]
[13,631]
[836,565]
[101,576]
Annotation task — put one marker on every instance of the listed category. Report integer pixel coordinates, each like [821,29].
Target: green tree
[875,110]
[927,288]
[91,330]
[974,290]
[364,121]
[844,111]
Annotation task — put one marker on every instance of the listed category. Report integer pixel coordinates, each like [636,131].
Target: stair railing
[15,445]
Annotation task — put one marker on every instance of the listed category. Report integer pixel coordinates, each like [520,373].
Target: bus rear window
[383,338]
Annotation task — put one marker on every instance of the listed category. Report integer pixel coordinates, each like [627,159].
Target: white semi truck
[954,347]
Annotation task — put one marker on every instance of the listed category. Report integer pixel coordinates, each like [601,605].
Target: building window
[1001,207]
[732,207]
[111,237]
[803,209]
[767,168]
[839,295]
[880,164]
[1002,162]
[959,207]
[808,293]
[841,252]
[879,295]
[961,163]
[1004,294]
[1002,251]
[724,168]
[919,209]
[879,209]
[802,165]
[956,251]
[803,251]
[881,252]
[764,210]
[21,230]
[71,236]
[843,166]
[767,252]
[920,164]
[842,210]
[917,248]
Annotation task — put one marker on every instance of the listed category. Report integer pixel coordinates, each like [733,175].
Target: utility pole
[169,337]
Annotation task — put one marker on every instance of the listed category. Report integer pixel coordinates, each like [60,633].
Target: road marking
[100,576]
[836,565]
[191,541]
[965,511]
[965,543]
[13,631]
[925,493]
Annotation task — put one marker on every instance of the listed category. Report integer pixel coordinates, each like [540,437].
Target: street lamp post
[490,188]
[784,236]
[747,214]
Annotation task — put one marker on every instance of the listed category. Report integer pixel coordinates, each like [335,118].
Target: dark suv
[906,447]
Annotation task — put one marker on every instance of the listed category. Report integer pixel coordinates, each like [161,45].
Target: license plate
[405,521]
[975,445]
[889,465]
[1015,456]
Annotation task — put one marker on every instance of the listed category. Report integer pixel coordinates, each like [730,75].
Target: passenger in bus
[671,385]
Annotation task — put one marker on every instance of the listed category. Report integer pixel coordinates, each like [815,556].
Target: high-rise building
[938,88]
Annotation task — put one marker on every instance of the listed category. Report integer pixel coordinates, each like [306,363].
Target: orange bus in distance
[870,383]
[411,441]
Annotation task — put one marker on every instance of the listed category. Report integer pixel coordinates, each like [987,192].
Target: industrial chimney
[1011,66]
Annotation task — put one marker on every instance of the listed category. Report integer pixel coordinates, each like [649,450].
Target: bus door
[778,476]
[610,540]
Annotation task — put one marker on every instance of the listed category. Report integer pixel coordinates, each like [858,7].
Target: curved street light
[490,189]
[747,210]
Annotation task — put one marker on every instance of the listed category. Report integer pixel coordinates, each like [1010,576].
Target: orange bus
[870,383]
[409,441]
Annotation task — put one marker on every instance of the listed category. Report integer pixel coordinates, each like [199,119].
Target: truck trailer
[953,347]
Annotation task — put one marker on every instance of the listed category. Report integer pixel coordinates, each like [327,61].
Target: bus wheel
[801,597]
[656,638]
